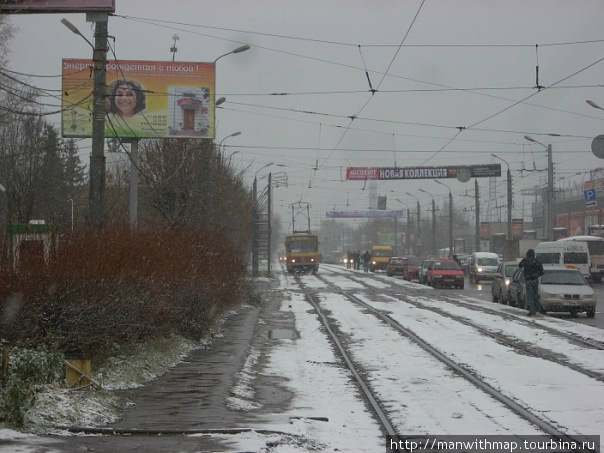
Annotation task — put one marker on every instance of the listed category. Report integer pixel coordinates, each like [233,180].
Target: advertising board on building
[56,6]
[517,228]
[144,99]
[485,230]
[393,173]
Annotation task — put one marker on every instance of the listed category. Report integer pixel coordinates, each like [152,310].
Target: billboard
[392,173]
[56,6]
[363,214]
[144,99]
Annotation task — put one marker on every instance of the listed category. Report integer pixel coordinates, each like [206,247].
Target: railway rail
[376,405]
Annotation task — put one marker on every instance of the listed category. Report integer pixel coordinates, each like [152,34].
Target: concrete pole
[451,251]
[97,156]
[509,187]
[550,195]
[419,230]
[434,249]
[477,209]
[255,228]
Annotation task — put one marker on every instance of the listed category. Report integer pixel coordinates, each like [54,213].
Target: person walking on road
[533,269]
[366,261]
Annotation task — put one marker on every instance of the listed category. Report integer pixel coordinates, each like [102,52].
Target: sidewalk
[191,397]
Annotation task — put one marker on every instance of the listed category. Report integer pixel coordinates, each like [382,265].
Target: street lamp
[234,134]
[97,155]
[419,225]
[509,189]
[237,50]
[450,217]
[594,105]
[434,249]
[550,188]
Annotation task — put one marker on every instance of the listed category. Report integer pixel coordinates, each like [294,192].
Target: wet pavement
[187,409]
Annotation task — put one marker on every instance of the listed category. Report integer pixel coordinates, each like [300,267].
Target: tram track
[469,375]
[524,347]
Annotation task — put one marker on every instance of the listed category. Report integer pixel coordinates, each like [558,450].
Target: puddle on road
[281,334]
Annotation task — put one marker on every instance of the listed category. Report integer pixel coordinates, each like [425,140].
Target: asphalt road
[483,291]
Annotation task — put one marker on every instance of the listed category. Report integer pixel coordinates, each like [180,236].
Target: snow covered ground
[420,395]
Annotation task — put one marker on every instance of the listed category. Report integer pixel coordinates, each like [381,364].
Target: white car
[566,290]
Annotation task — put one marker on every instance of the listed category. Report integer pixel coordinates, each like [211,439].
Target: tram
[302,252]
[301,247]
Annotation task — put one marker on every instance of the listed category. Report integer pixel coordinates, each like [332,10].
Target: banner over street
[393,173]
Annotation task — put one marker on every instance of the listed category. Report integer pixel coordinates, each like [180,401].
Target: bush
[29,369]
[120,287]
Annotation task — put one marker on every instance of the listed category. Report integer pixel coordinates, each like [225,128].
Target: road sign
[590,197]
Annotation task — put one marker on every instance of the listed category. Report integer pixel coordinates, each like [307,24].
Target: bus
[595,244]
[572,254]
[302,252]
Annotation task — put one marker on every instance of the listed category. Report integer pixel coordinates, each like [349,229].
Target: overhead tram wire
[409,123]
[472,126]
[321,41]
[469,91]
[352,118]
[151,22]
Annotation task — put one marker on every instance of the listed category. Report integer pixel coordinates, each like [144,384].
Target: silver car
[501,281]
[566,290]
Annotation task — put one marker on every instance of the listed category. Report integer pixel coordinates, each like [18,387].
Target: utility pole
[97,156]
[477,209]
[550,194]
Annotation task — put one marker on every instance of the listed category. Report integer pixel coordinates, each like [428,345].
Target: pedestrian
[357,260]
[366,261]
[533,269]
[349,259]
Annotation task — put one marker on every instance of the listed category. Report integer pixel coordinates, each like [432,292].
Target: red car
[445,273]
[395,266]
[411,268]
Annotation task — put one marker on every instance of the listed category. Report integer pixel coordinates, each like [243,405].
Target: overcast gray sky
[449,76]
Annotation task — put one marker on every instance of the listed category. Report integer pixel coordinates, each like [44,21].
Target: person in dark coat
[533,269]
[366,261]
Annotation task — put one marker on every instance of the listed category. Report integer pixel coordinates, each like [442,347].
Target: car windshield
[426,264]
[487,261]
[382,253]
[510,269]
[562,277]
[396,261]
[446,265]
[415,261]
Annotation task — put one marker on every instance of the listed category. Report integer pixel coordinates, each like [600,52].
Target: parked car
[501,281]
[395,266]
[445,273]
[566,290]
[483,266]
[517,290]
[411,268]
[560,290]
[423,270]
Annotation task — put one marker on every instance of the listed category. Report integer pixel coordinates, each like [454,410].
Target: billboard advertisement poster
[485,230]
[363,214]
[144,99]
[393,173]
[56,6]
[517,228]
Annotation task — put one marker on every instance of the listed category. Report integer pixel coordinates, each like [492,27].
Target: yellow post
[78,372]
